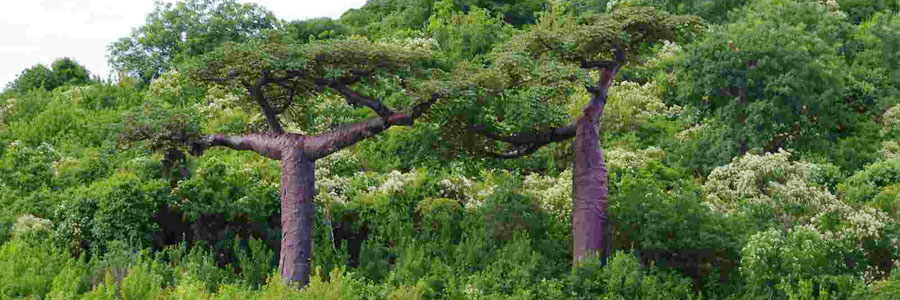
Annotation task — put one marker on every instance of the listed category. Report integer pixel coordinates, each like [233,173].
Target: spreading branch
[292,92]
[356,99]
[256,92]
[525,143]
[267,144]
[323,144]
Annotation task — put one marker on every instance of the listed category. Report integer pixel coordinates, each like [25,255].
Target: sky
[40,31]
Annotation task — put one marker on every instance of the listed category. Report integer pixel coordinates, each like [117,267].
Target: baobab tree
[277,74]
[569,50]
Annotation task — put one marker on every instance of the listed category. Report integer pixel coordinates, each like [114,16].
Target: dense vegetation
[755,155]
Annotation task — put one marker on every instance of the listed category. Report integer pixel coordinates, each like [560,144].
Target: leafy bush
[30,266]
[778,264]
[120,207]
[863,186]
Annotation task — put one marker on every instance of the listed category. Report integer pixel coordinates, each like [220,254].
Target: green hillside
[752,148]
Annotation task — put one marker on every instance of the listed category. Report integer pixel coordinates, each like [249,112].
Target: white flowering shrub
[330,186]
[334,188]
[167,86]
[553,193]
[29,224]
[418,44]
[393,182]
[7,110]
[618,158]
[890,150]
[458,187]
[890,122]
[690,133]
[772,184]
[630,105]
[28,168]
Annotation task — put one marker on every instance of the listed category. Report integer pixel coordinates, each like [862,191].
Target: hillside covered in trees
[464,149]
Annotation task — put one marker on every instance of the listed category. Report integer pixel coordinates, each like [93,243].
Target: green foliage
[533,79]
[68,71]
[464,35]
[63,71]
[859,11]
[882,290]
[120,207]
[316,29]
[791,264]
[417,213]
[173,88]
[31,267]
[238,62]
[713,11]
[159,127]
[174,33]
[390,18]
[770,77]
[218,187]
[255,262]
[863,186]
[38,76]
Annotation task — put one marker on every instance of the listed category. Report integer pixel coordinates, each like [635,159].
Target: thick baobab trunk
[590,227]
[297,213]
[590,222]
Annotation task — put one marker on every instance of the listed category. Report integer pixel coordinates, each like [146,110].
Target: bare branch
[407,119]
[528,142]
[292,92]
[539,138]
[323,144]
[597,64]
[357,99]
[266,144]
[517,153]
[257,94]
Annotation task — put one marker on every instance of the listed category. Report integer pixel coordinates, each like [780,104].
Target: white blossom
[618,158]
[553,193]
[690,133]
[890,122]
[890,150]
[772,180]
[30,223]
[167,85]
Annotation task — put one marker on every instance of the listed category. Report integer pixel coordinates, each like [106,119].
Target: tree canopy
[173,33]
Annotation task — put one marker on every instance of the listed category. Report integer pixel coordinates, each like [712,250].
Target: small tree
[541,65]
[63,71]
[174,33]
[278,74]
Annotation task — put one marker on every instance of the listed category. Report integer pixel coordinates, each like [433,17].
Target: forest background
[753,155]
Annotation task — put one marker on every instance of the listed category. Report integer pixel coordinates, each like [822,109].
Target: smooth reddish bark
[590,221]
[297,213]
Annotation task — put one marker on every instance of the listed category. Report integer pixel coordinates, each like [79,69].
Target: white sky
[40,31]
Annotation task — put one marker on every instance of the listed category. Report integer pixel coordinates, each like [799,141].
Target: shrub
[31,266]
